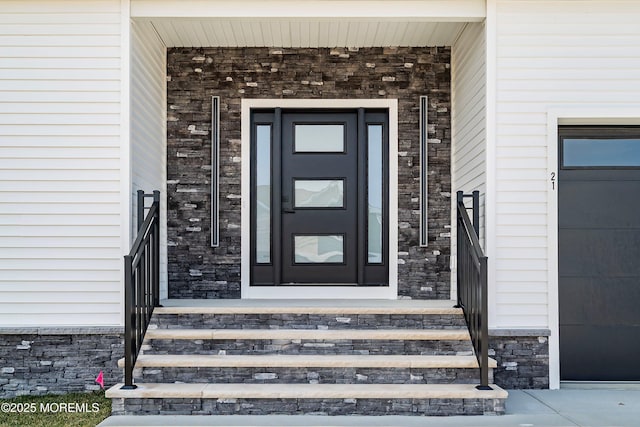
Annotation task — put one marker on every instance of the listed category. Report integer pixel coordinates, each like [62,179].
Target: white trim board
[126,168]
[410,10]
[302,291]
[556,116]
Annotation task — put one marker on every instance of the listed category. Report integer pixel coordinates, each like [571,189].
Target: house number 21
[553,180]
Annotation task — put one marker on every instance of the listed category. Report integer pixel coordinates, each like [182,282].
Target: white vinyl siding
[550,54]
[148,124]
[468,100]
[60,204]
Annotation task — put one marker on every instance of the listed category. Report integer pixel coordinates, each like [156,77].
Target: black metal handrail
[142,282]
[472,283]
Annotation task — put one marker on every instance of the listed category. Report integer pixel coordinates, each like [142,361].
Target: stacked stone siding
[332,407]
[196,270]
[37,362]
[523,360]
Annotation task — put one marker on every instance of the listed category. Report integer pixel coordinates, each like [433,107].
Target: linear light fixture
[215,171]
[424,161]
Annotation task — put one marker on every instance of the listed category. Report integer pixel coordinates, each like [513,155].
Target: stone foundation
[56,361]
[196,270]
[522,356]
[377,407]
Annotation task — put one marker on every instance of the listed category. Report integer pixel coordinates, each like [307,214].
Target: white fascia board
[417,10]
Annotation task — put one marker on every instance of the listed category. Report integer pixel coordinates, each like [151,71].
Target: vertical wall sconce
[424,161]
[215,171]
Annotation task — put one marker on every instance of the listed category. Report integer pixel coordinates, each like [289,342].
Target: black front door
[320,198]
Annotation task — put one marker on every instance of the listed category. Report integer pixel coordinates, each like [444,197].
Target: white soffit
[308,23]
[298,33]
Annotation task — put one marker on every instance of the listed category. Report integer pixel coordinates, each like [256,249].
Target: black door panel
[599,265]
[313,237]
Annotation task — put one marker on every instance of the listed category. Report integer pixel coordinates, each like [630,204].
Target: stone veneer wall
[57,361]
[523,360]
[195,74]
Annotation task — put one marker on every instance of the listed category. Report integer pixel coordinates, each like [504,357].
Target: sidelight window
[375,192]
[263,194]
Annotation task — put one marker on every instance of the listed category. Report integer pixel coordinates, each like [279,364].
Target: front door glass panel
[319,193]
[319,138]
[319,249]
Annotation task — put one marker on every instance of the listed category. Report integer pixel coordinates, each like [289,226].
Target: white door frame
[318,292]
[557,116]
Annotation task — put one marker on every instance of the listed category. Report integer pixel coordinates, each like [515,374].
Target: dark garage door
[599,253]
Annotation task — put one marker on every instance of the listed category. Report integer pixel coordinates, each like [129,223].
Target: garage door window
[596,147]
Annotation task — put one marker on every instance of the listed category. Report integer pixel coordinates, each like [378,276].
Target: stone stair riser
[309,321]
[418,407]
[307,347]
[309,375]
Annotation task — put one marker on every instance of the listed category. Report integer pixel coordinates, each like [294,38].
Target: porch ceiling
[307,23]
[303,33]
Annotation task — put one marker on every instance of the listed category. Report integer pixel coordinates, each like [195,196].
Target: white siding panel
[148,123]
[468,110]
[468,98]
[549,54]
[106,243]
[64,297]
[60,253]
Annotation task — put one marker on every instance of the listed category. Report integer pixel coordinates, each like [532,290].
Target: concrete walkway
[596,407]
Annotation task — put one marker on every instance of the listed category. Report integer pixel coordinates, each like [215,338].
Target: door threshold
[311,291]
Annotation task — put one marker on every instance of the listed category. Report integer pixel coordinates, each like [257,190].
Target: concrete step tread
[306,391]
[308,334]
[306,361]
[329,306]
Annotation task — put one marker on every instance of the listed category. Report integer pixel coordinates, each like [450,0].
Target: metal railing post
[472,282]
[142,282]
[156,252]
[128,324]
[459,266]
[140,215]
[476,212]
[484,328]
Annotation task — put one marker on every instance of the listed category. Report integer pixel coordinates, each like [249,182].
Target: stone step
[307,321]
[308,314]
[306,391]
[294,375]
[305,361]
[309,347]
[307,369]
[324,306]
[328,399]
[308,334]
[308,341]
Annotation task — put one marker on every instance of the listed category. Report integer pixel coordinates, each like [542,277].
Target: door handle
[286,205]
